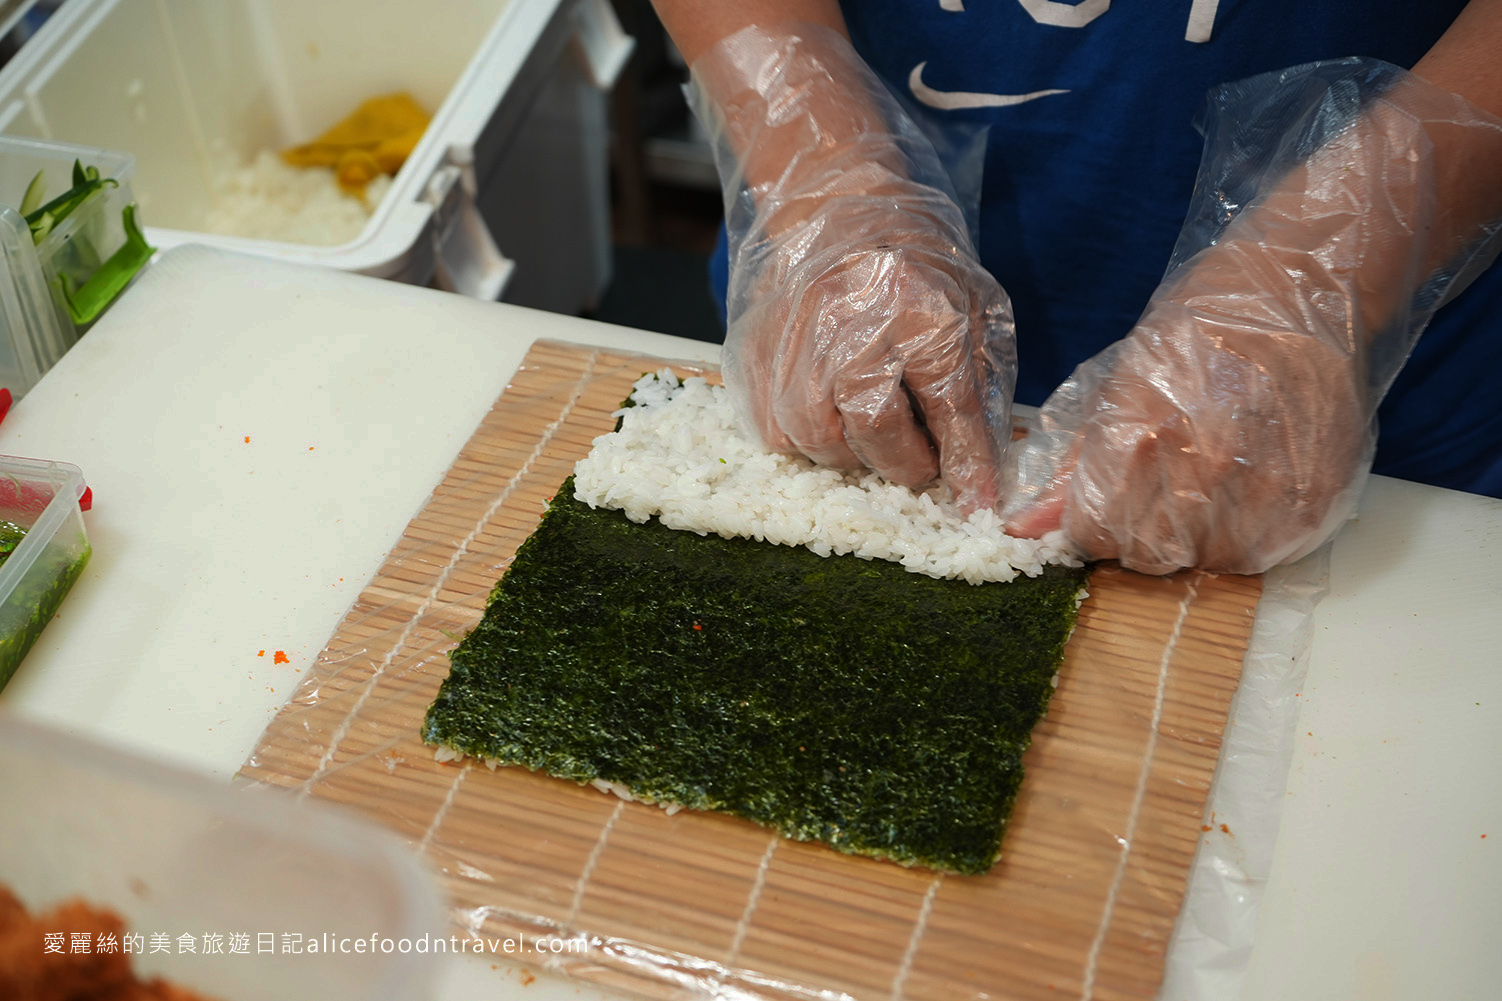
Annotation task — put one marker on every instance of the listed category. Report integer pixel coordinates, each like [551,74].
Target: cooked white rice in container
[678,457]
[269,199]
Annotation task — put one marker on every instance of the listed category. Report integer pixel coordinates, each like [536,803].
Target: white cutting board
[355,395]
[209,549]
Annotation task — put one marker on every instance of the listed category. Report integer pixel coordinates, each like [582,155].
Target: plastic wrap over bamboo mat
[695,905]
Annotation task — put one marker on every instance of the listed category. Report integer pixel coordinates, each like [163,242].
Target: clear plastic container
[41,498]
[196,868]
[33,334]
[82,264]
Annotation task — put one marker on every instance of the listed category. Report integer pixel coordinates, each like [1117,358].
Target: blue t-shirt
[1092,156]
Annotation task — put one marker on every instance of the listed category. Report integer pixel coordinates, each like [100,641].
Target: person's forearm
[1407,191]
[695,26]
[1466,158]
[795,102]
[1467,60]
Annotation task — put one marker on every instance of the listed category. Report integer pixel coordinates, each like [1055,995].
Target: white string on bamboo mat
[443,575]
[589,867]
[744,924]
[919,927]
[1192,591]
[443,808]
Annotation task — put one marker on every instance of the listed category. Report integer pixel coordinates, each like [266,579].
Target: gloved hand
[862,329]
[1233,428]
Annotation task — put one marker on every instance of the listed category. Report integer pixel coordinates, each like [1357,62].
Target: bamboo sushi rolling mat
[1093,865]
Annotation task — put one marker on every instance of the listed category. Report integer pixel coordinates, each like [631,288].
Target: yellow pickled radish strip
[393,152]
[356,169]
[377,137]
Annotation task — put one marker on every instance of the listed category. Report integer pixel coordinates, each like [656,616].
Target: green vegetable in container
[44,219]
[11,535]
[26,611]
[86,294]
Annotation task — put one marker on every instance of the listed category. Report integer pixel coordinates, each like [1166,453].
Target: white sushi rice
[443,754]
[678,457]
[268,199]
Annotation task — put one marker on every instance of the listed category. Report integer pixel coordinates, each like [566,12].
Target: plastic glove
[1233,428]
[862,329]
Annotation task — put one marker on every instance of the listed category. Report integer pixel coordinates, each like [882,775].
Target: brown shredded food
[29,973]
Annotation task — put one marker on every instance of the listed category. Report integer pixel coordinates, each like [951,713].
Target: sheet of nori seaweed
[835,699]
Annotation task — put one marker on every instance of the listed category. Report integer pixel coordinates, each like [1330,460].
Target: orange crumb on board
[261,654]
[527,979]
[247,439]
[1224,829]
[1206,827]
[281,658]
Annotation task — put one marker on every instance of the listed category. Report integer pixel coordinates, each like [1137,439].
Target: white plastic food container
[513,167]
[241,895]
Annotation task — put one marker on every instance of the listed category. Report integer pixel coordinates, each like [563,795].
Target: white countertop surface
[256,435]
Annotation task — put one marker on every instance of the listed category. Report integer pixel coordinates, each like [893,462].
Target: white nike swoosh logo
[950,100]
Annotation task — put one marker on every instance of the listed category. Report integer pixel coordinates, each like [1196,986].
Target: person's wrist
[786,93]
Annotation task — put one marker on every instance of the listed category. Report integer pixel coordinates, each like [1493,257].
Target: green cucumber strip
[88,300]
[85,182]
[35,192]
